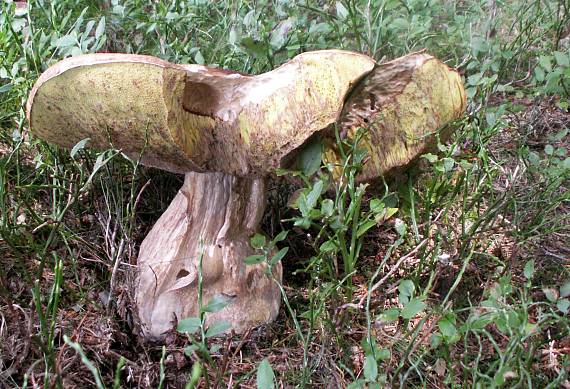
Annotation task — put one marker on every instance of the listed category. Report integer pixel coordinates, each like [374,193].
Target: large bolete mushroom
[226,131]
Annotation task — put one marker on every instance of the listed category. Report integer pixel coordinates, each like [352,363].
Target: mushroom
[226,132]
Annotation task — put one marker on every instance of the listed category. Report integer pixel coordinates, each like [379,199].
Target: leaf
[217,303]
[447,328]
[341,11]
[279,256]
[529,269]
[407,288]
[539,74]
[100,30]
[390,314]
[430,157]
[363,227]
[551,294]
[400,226]
[327,207]
[5,88]
[370,368]
[280,237]
[257,241]
[66,41]
[328,246]
[314,195]
[412,308]
[545,62]
[78,146]
[565,289]
[199,58]
[254,47]
[549,150]
[265,376]
[217,328]
[563,305]
[309,159]
[561,59]
[189,325]
[254,259]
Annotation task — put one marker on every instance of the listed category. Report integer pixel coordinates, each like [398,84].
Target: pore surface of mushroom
[226,131]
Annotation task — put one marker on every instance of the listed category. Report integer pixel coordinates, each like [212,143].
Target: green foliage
[461,312]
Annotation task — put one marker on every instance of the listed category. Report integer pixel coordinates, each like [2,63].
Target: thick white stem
[222,211]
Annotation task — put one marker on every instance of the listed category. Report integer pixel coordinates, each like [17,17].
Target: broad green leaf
[551,294]
[529,269]
[66,41]
[341,11]
[265,376]
[254,259]
[363,227]
[217,328]
[217,303]
[412,308]
[447,328]
[561,59]
[400,227]
[327,207]
[329,245]
[78,146]
[565,289]
[407,288]
[257,241]
[563,305]
[370,368]
[189,325]
[5,88]
[100,30]
[279,256]
[390,314]
[314,195]
[280,236]
[309,159]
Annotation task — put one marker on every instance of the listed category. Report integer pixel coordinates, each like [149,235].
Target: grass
[461,280]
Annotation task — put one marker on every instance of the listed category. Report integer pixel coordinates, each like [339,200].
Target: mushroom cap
[189,117]
[405,105]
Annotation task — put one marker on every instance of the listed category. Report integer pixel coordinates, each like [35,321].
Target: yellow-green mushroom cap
[191,118]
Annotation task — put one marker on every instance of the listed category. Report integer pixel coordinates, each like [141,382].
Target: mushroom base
[213,216]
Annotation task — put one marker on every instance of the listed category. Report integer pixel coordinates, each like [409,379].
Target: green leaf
[280,237]
[376,206]
[217,328]
[254,47]
[309,159]
[390,314]
[328,246]
[412,308]
[217,303]
[549,150]
[551,294]
[279,256]
[257,241]
[561,59]
[545,62]
[78,146]
[254,259]
[66,41]
[189,325]
[539,74]
[563,305]
[100,30]
[447,328]
[407,288]
[430,157]
[529,269]
[565,289]
[365,226]
[370,368]
[265,376]
[327,207]
[314,195]
[5,88]
[341,11]
[383,354]
[400,227]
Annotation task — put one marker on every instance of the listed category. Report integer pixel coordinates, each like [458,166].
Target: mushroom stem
[213,216]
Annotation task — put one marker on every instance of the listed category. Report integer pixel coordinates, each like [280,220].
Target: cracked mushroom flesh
[226,131]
